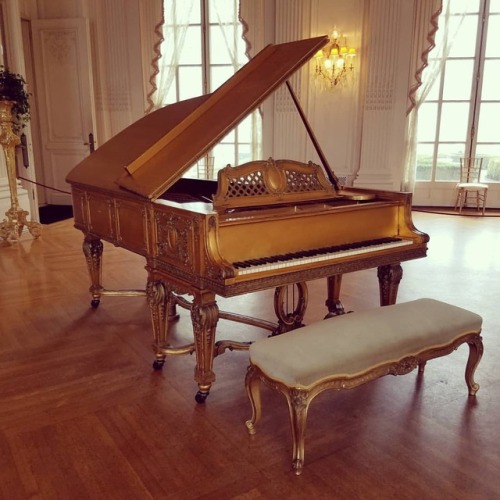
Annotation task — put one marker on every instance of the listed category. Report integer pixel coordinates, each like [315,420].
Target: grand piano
[266,224]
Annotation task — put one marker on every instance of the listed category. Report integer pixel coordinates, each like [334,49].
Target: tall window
[203,47]
[460,115]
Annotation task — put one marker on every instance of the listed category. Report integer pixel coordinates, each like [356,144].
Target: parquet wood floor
[83,415]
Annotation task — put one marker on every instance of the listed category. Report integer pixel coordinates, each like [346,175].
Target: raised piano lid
[153,153]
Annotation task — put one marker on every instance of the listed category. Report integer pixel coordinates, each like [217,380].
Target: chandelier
[334,62]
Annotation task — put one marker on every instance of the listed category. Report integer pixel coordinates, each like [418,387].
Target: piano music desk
[353,349]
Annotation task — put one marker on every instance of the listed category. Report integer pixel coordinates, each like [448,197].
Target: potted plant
[13,88]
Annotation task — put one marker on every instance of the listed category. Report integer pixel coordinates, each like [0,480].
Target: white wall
[335,115]
[362,128]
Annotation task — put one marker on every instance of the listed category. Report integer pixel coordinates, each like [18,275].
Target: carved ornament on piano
[271,182]
[174,234]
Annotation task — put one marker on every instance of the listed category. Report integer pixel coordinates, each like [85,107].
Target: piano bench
[349,350]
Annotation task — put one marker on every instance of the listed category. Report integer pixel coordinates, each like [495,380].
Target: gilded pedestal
[12,227]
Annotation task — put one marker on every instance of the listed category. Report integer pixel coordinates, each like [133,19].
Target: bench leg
[475,354]
[298,403]
[252,384]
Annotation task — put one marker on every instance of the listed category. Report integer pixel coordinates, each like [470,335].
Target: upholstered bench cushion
[351,344]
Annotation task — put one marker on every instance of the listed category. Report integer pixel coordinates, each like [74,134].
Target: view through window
[459,117]
[206,36]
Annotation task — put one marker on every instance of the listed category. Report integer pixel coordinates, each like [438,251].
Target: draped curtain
[251,16]
[170,28]
[424,35]
[430,16]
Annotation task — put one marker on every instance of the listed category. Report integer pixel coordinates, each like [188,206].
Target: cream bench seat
[349,350]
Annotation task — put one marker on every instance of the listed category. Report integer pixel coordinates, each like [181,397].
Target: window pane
[464,43]
[218,75]
[448,162]
[459,6]
[433,93]
[224,155]
[219,41]
[488,129]
[493,38]
[427,122]
[245,130]
[244,153]
[171,94]
[491,87]
[195,15]
[458,80]
[190,82]
[222,11]
[425,154]
[491,162]
[454,119]
[494,6]
[191,51]
[230,137]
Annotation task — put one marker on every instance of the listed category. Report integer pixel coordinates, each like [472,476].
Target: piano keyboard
[317,255]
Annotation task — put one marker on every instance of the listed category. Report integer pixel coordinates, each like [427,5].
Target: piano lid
[152,166]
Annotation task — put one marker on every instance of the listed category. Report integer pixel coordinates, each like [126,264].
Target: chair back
[470,169]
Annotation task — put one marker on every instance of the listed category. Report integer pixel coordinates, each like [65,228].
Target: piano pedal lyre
[290,302]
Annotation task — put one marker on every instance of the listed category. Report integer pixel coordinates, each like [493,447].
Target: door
[64,91]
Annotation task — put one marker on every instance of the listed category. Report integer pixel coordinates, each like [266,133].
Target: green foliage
[493,172]
[12,88]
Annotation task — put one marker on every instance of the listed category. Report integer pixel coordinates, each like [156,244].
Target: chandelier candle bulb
[334,63]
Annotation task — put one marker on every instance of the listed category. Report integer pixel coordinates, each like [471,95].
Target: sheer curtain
[171,33]
[252,17]
[432,33]
[169,37]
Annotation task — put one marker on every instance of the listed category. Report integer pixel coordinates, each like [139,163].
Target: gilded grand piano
[262,225]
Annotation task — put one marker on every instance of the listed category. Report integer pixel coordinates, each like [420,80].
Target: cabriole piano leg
[92,249]
[157,298]
[204,315]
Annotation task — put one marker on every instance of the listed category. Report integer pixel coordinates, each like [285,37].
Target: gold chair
[470,191]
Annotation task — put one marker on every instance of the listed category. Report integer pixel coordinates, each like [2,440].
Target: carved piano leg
[92,249]
[204,315]
[335,306]
[157,298]
[283,296]
[388,278]
[161,299]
